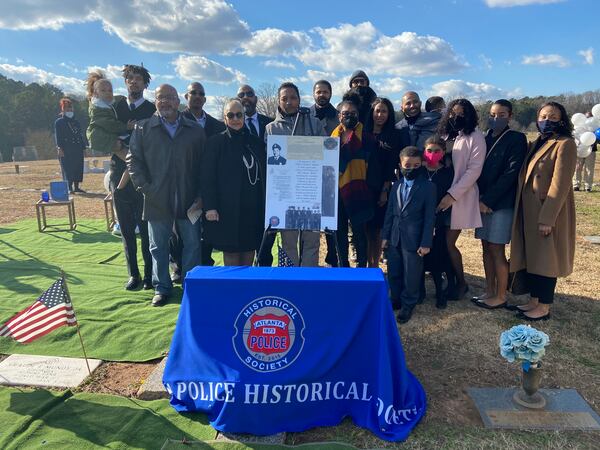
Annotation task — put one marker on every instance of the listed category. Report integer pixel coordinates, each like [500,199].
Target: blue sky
[482,49]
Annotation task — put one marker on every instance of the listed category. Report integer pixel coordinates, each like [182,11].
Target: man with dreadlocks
[128,202]
[135,106]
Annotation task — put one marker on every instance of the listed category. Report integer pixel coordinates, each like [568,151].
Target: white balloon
[578,119]
[587,138]
[107,181]
[596,111]
[583,151]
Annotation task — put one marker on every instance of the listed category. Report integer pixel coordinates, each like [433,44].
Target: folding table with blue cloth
[264,350]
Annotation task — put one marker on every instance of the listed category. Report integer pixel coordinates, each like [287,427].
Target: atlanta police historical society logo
[268,334]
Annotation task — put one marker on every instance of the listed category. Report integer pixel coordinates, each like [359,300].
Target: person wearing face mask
[408,231]
[70,145]
[437,261]
[361,176]
[361,85]
[497,184]
[292,120]
[543,234]
[323,109]
[233,188]
[459,124]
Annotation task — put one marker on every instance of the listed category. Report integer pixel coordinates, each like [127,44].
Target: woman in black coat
[233,189]
[70,144]
[380,122]
[497,184]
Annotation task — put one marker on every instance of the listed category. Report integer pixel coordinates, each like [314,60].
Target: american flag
[52,310]
[283,260]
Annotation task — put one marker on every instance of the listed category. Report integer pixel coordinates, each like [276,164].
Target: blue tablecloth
[264,350]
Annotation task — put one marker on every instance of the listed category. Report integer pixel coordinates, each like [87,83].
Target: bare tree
[268,99]
[219,103]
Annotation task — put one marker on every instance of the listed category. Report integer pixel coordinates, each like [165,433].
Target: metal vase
[531,380]
[529,396]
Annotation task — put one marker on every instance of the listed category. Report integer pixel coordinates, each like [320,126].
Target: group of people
[192,183]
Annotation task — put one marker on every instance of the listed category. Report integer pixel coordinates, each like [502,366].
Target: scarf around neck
[354,190]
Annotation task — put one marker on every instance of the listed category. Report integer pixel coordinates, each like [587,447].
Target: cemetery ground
[449,350]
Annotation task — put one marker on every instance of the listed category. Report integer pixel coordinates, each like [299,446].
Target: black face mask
[457,123]
[349,122]
[410,174]
[548,126]
[497,124]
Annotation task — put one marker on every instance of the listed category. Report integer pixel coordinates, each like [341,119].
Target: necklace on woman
[250,165]
[430,174]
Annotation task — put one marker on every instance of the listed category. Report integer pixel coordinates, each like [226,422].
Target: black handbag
[517,282]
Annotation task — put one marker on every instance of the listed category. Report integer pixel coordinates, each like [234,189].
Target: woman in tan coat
[543,235]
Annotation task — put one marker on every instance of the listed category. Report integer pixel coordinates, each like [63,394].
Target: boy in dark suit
[408,231]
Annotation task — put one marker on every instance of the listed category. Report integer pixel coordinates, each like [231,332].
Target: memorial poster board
[302,182]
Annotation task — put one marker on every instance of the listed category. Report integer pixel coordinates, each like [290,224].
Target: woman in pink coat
[468,155]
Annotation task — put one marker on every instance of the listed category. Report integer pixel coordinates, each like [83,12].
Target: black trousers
[405,272]
[359,240]
[128,207]
[541,287]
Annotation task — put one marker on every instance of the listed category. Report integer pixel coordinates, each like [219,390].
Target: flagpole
[64,279]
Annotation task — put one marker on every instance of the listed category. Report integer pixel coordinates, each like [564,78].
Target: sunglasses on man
[199,93]
[248,94]
[237,115]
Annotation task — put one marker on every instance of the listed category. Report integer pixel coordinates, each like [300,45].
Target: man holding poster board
[294,189]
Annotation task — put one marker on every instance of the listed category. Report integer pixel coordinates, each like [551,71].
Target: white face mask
[69,114]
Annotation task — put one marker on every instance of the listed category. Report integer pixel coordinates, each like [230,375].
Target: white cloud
[279,64]
[112,72]
[487,62]
[52,14]
[588,55]
[199,68]
[343,47]
[315,75]
[275,42]
[30,74]
[511,3]
[193,26]
[409,54]
[393,86]
[348,47]
[475,92]
[546,60]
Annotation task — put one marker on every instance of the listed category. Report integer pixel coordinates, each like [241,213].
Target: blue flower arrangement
[525,344]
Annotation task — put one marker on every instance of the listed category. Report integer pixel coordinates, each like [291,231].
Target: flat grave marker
[565,410]
[45,371]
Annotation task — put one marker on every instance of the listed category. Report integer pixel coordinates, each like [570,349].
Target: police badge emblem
[268,334]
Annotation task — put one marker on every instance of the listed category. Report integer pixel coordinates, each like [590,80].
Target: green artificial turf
[116,325]
[53,420]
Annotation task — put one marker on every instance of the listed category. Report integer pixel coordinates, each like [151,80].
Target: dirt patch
[119,378]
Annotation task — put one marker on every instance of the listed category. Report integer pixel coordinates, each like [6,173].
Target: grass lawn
[449,351]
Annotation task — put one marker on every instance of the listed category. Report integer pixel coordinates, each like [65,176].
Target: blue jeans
[160,232]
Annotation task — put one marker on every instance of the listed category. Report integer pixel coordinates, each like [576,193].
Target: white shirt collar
[137,103]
